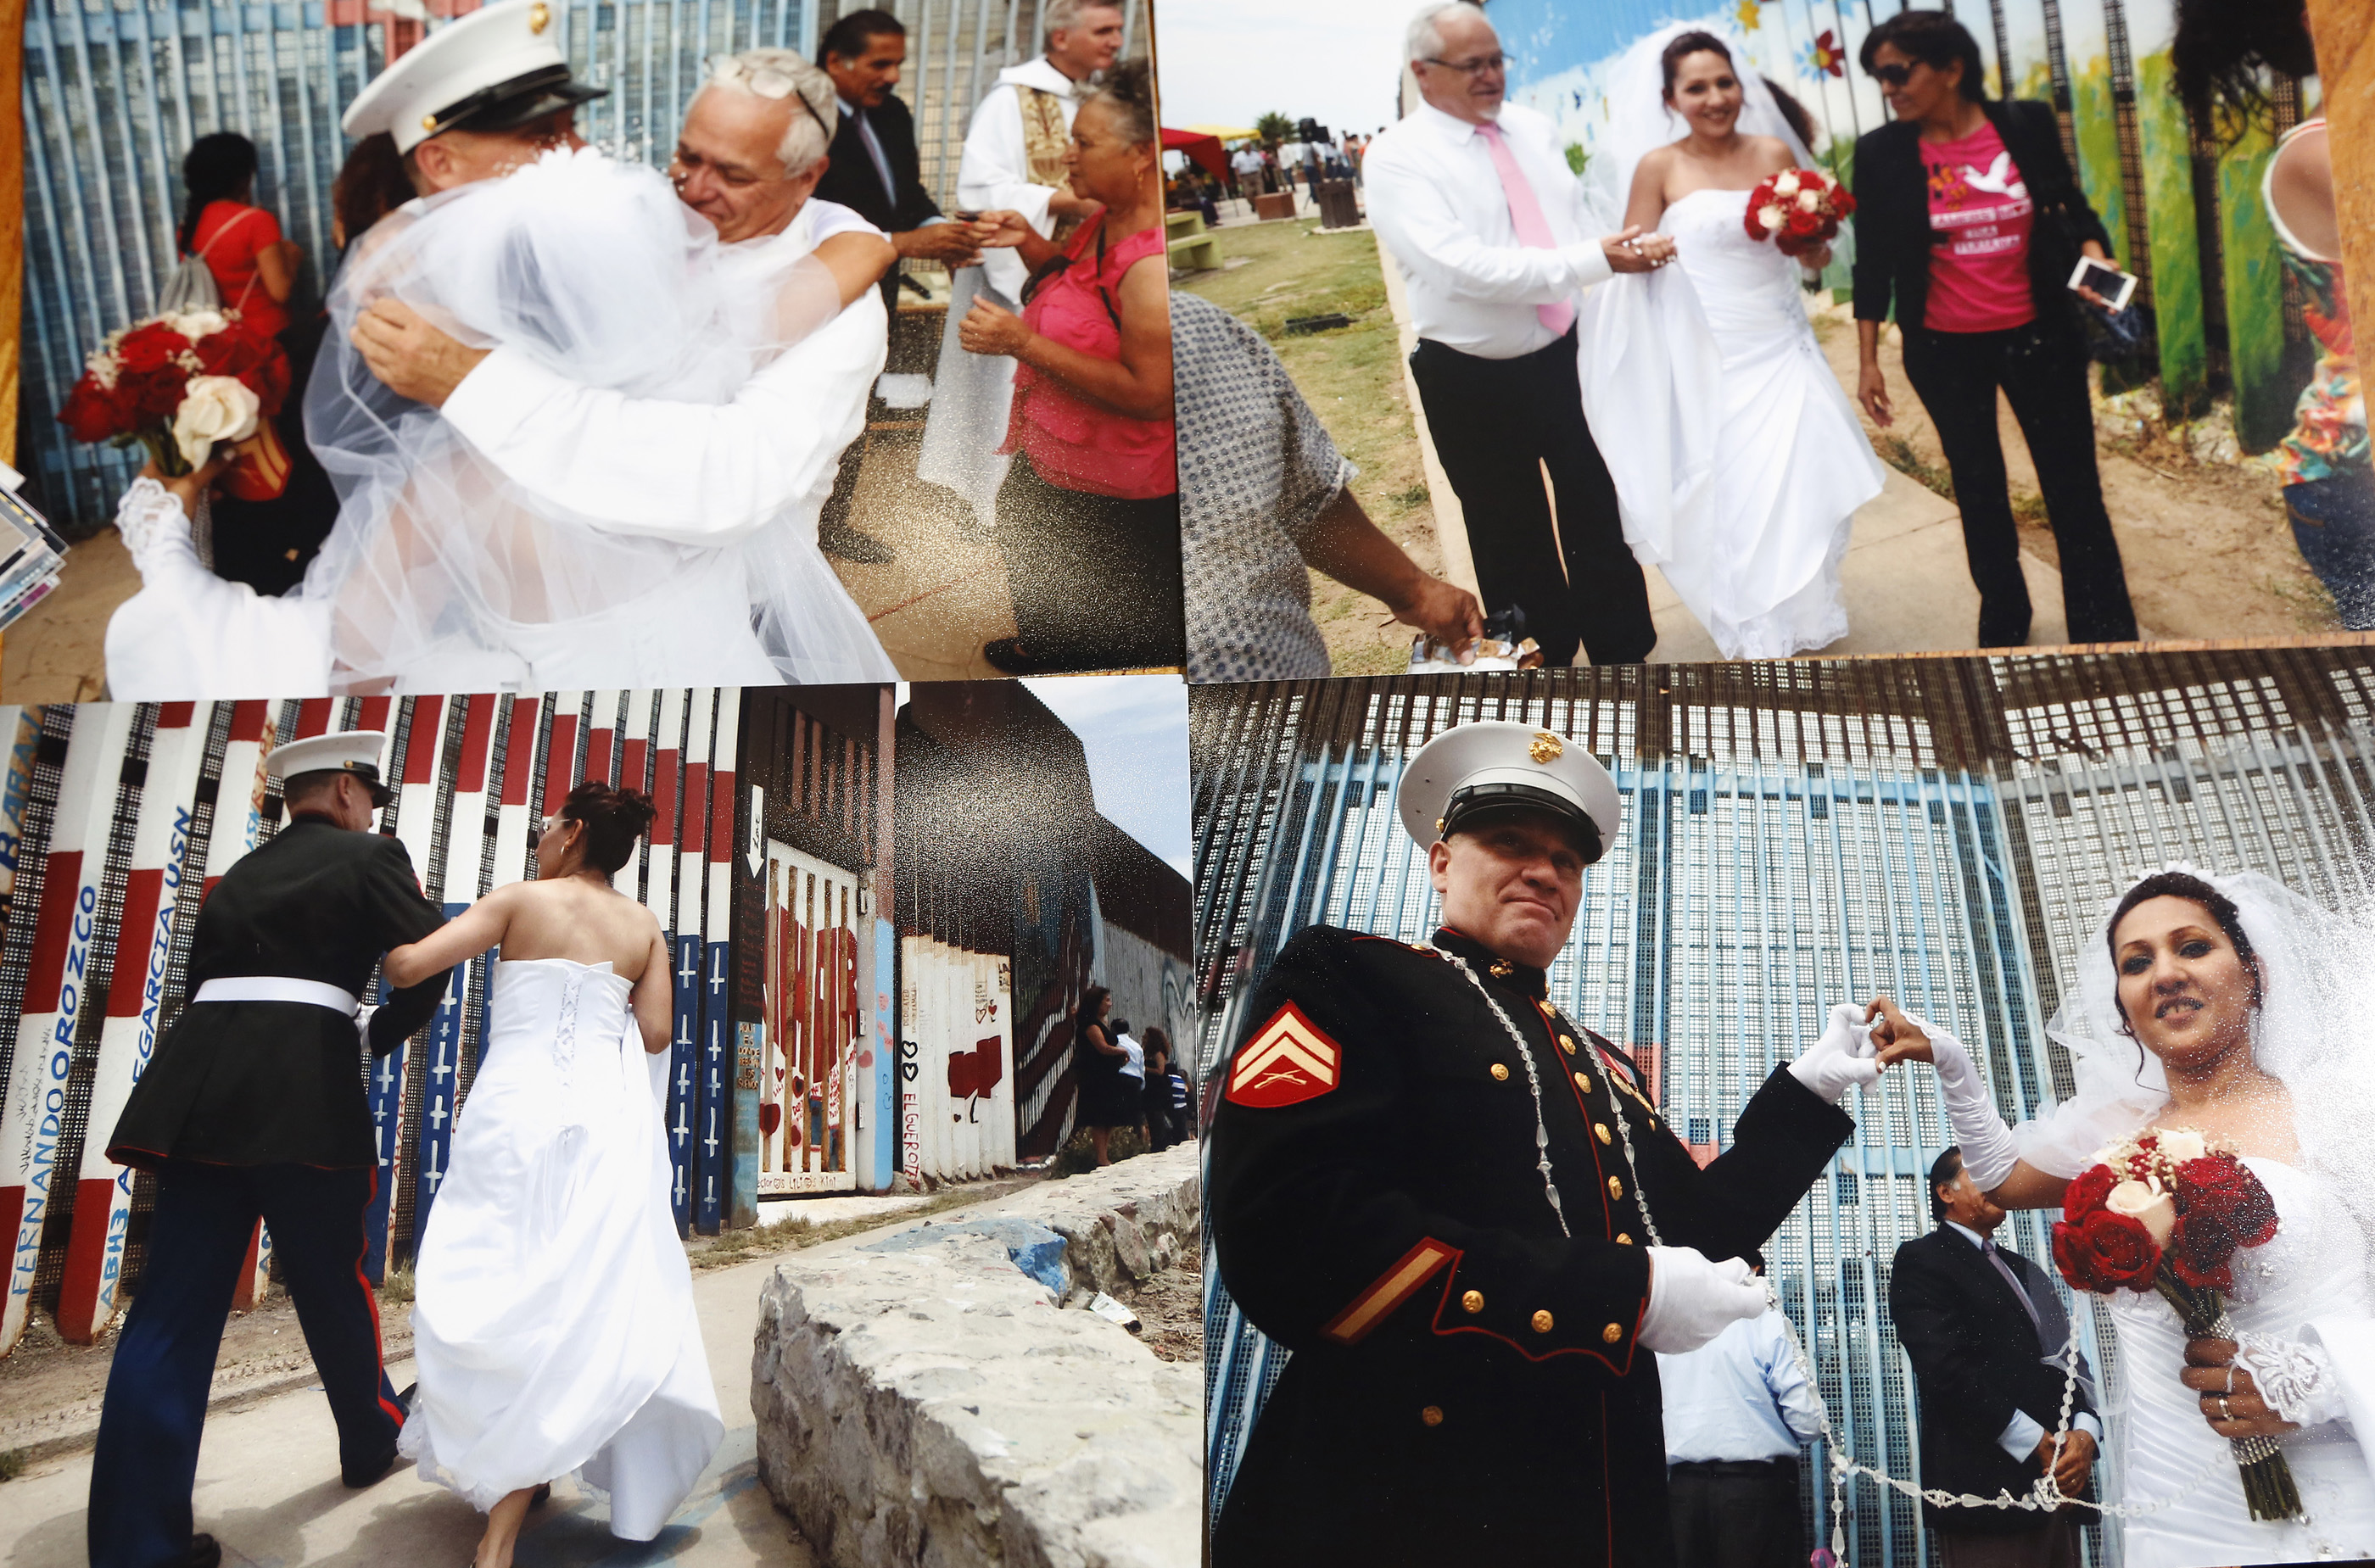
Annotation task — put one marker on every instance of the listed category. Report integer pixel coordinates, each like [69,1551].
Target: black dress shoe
[371,1471]
[851,545]
[541,1496]
[403,1400]
[203,1553]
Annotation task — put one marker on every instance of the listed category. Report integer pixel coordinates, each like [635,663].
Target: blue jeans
[2334,524]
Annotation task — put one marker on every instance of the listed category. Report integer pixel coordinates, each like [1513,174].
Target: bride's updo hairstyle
[1683,46]
[613,820]
[2194,890]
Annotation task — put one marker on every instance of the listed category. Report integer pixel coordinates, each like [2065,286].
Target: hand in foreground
[1838,1061]
[1693,1300]
[1633,251]
[990,329]
[2094,252]
[1815,259]
[1001,229]
[1872,390]
[2231,1401]
[414,358]
[1895,1037]
[187,488]
[2071,1468]
[955,244]
[1448,613]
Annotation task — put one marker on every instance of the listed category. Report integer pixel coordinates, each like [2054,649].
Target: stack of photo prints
[1114,783]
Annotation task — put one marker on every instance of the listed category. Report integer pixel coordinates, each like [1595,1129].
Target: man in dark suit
[873,169]
[1463,1214]
[1986,1333]
[253,1107]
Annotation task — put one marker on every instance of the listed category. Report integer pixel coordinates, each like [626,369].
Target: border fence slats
[1946,831]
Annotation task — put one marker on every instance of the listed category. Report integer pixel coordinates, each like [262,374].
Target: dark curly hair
[371,185]
[1682,47]
[217,168]
[1935,39]
[2220,50]
[1130,88]
[2194,890]
[613,819]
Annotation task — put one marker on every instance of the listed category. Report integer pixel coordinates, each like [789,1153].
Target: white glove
[362,1022]
[1988,1151]
[1692,1300]
[1842,1058]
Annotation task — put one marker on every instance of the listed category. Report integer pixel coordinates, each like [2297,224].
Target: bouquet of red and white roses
[178,384]
[1798,210]
[2165,1211]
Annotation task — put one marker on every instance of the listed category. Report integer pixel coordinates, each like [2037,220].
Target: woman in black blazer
[1970,222]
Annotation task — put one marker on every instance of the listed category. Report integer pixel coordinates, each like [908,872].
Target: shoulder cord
[2041,1498]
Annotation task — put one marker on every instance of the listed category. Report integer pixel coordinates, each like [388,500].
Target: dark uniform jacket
[1976,1359]
[262,1083]
[1466,1384]
[1894,237]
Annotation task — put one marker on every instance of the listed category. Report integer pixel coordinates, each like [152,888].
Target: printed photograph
[528,1128]
[528,346]
[1880,1112]
[1644,333]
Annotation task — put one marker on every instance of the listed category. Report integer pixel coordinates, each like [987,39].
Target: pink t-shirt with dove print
[1979,271]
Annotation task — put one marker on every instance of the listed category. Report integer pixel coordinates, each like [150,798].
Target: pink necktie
[1526,217]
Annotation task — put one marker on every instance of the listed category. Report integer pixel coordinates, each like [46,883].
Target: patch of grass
[396,1290]
[2028,508]
[1079,1157]
[12,1464]
[1898,454]
[1414,495]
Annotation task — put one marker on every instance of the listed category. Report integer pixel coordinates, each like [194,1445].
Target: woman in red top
[1089,515]
[254,269]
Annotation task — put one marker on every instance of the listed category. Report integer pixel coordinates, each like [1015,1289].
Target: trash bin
[1337,207]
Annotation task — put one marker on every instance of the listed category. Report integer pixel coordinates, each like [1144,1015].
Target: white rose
[1772,218]
[1809,201]
[2183,1144]
[2158,1210]
[1785,185]
[197,324]
[213,408]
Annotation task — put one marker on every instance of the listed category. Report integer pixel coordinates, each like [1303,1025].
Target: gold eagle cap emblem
[1546,747]
[538,17]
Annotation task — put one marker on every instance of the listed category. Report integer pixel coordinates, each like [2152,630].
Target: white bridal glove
[1988,1152]
[1842,1059]
[2295,1376]
[362,1022]
[1691,1299]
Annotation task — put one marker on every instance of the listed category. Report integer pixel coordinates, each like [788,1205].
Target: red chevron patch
[1291,1060]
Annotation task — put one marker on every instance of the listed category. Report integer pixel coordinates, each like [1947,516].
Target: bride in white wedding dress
[553,1321]
[2231,1005]
[1738,461]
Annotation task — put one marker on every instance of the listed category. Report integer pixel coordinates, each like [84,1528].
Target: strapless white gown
[553,1323]
[2314,1271]
[1739,462]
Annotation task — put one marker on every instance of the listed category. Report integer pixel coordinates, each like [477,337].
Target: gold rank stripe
[1393,1288]
[1289,1042]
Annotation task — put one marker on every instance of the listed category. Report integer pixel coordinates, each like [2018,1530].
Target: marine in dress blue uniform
[254,1108]
[1429,1184]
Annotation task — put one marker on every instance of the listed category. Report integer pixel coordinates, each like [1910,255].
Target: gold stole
[1044,141]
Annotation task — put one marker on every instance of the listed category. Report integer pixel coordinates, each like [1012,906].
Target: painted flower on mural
[1824,56]
[1747,16]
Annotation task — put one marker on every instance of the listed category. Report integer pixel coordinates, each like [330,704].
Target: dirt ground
[2207,547]
[1170,1310]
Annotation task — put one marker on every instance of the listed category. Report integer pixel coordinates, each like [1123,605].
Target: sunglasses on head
[765,82]
[1894,76]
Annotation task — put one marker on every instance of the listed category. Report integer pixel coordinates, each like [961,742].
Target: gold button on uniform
[1583,1084]
[1500,969]
[1473,1300]
[1623,1240]
[1600,1130]
[1616,1187]
[1499,1072]
[1542,1322]
[1611,1333]
[1432,1414]
[1566,1043]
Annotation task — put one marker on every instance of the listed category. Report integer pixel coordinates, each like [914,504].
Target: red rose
[2086,1192]
[1803,224]
[2222,1197]
[2200,1253]
[92,414]
[1842,204]
[2106,1252]
[257,360]
[147,349]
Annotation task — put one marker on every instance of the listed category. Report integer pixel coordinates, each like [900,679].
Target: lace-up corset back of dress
[556,1019]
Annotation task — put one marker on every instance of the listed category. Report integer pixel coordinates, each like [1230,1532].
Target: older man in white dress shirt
[1474,198]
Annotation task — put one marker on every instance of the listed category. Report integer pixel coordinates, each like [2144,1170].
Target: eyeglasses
[1895,76]
[1477,66]
[765,81]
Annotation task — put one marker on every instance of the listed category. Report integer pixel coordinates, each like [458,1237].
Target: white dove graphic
[2000,179]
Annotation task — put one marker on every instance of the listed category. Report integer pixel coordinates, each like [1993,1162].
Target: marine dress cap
[355,751]
[494,69]
[1496,765]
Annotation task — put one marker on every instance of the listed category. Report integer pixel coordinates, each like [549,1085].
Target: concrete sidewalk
[268,1488]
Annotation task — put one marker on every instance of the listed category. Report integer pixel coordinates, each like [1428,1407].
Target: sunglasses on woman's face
[1895,76]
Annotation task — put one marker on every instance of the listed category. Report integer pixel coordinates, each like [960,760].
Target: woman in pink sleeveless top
[1089,515]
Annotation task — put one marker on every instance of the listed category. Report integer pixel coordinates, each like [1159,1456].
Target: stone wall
[933,1405]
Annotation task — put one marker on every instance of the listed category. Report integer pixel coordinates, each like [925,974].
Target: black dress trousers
[1497,423]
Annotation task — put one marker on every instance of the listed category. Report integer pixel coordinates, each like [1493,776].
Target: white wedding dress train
[1739,462]
[553,1319]
[2313,1273]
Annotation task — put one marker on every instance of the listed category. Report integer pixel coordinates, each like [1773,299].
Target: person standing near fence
[252,1108]
[1738,1409]
[1969,226]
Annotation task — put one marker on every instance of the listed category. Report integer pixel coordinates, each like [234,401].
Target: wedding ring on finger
[2224,1413]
